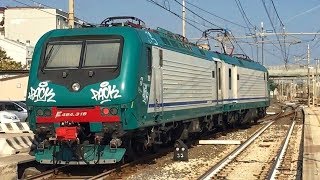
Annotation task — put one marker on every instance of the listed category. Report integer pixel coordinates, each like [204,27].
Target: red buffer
[66,133]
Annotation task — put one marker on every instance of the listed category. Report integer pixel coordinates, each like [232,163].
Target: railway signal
[180,151]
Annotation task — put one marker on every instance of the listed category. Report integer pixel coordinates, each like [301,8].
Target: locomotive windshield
[101,53]
[82,54]
[63,54]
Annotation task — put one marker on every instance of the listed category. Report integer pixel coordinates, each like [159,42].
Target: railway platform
[311,151]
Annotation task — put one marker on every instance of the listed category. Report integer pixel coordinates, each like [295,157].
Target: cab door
[234,81]
[156,80]
[219,82]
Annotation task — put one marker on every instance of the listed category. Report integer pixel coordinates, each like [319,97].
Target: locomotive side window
[149,60]
[63,54]
[219,84]
[230,78]
[101,53]
[213,74]
[161,57]
[238,77]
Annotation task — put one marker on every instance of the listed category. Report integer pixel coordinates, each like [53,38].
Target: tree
[272,86]
[6,63]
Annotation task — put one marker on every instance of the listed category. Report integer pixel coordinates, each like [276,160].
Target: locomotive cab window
[63,54]
[82,53]
[101,53]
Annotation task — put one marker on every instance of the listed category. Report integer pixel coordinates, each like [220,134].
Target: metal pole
[308,58]
[262,43]
[71,14]
[316,83]
[313,89]
[257,43]
[317,79]
[183,18]
[282,91]
[291,90]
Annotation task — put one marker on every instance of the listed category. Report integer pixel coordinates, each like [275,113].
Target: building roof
[26,7]
[17,76]
[14,72]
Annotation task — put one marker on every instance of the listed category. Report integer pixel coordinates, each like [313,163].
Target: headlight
[114,111]
[47,112]
[39,112]
[75,86]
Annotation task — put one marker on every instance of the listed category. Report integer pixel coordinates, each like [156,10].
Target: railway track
[64,172]
[239,159]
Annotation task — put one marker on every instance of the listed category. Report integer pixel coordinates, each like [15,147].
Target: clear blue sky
[296,15]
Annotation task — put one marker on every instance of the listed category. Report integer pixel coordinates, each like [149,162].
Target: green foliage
[6,63]
[272,85]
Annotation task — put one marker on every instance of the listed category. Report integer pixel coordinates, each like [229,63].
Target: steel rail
[46,174]
[280,156]
[274,170]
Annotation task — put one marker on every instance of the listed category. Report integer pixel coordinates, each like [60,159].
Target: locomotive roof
[176,42]
[161,38]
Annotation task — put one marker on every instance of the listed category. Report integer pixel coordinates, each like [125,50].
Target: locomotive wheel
[138,148]
[237,118]
[231,120]
[130,154]
[155,148]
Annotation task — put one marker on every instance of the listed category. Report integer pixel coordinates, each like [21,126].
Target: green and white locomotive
[97,94]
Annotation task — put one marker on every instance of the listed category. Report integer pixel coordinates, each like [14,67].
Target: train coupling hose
[115,143]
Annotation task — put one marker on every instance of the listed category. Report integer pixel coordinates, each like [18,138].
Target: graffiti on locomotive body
[42,93]
[105,93]
[152,40]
